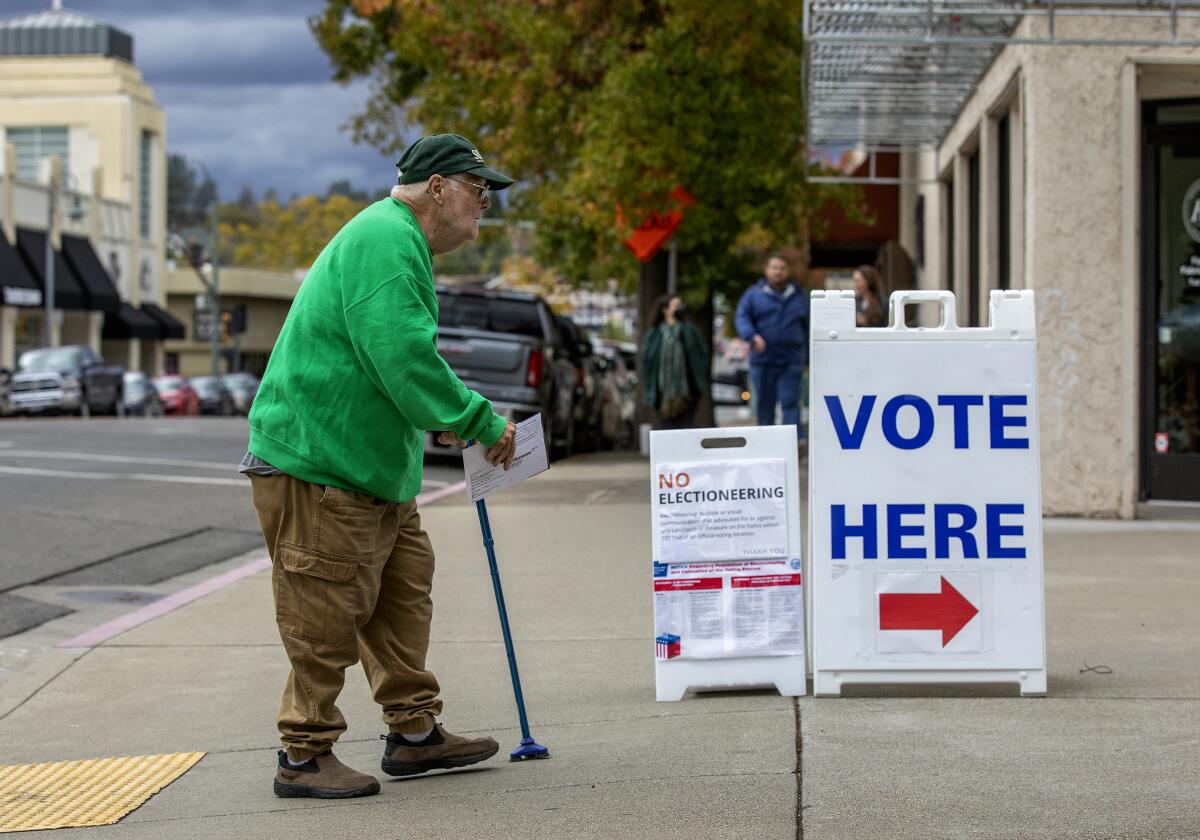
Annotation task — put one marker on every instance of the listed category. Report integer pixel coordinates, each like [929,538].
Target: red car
[177,395]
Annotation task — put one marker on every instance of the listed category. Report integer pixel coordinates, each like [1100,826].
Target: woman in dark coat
[673,359]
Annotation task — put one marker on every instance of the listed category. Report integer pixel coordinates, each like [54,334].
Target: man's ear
[436,187]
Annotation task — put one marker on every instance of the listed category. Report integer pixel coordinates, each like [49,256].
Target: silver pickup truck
[506,346]
[66,379]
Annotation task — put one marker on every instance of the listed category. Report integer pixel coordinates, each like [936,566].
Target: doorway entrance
[1171,301]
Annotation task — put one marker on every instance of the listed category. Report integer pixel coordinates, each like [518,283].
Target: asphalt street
[100,504]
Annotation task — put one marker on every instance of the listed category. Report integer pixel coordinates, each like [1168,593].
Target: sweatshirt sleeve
[395,339]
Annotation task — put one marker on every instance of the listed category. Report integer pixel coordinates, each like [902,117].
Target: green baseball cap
[446,154]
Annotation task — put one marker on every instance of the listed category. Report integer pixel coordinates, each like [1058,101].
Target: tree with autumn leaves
[598,104]
[595,105]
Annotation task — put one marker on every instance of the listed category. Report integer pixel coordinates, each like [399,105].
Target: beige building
[70,92]
[1059,151]
[254,304]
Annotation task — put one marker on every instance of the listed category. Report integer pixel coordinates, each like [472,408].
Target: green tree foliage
[188,195]
[595,104]
[283,236]
[345,188]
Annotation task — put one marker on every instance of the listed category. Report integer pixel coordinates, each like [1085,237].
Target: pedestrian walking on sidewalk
[335,458]
[868,298]
[772,317]
[674,356]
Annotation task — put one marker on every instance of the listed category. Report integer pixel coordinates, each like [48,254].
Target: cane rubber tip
[529,750]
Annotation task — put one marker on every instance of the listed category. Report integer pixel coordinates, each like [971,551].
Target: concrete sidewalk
[1110,755]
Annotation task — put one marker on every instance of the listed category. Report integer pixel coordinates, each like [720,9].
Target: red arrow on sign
[947,611]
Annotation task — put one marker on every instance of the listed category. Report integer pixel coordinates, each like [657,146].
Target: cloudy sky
[246,90]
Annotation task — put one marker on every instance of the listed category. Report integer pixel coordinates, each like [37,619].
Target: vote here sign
[925,498]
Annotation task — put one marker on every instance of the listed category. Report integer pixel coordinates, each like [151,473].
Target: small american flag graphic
[666,646]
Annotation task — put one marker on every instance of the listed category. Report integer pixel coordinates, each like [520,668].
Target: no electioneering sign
[720,511]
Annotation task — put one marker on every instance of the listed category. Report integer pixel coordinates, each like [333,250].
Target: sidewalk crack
[799,772]
[54,677]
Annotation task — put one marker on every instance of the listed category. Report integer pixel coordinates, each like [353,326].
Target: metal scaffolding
[895,73]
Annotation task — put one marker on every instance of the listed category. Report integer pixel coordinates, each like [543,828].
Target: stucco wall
[1077,218]
[1073,224]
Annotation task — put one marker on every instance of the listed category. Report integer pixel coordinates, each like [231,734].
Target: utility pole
[52,192]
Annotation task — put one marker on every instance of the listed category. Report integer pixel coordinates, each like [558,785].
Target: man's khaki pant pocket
[316,596]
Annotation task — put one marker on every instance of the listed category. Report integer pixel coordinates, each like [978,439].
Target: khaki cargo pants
[352,577]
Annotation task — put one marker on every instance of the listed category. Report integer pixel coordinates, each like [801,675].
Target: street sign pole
[49,254]
[672,268]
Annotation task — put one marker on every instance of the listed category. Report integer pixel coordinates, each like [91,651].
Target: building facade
[80,126]
[254,304]
[1063,157]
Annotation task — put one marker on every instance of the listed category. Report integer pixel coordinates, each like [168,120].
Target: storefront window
[29,332]
[1172,301]
[1179,297]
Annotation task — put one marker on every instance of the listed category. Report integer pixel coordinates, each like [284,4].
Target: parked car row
[512,348]
[75,380]
[229,393]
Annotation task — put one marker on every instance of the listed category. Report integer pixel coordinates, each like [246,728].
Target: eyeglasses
[483,188]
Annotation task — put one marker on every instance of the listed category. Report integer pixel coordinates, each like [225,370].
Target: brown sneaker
[439,750]
[322,777]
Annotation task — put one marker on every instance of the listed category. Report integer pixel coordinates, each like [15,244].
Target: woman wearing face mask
[673,360]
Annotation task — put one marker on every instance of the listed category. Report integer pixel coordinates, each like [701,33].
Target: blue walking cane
[529,748]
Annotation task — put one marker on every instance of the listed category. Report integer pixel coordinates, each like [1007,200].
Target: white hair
[410,192]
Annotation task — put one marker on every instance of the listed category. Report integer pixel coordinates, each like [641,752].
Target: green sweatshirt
[355,379]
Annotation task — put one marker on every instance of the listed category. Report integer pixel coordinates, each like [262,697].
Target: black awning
[68,291]
[128,322]
[172,327]
[101,293]
[17,286]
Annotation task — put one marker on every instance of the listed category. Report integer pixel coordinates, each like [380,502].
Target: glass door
[1171,302]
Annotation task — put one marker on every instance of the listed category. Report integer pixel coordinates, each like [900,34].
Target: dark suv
[506,346]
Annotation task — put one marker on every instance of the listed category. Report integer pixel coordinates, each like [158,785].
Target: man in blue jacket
[773,317]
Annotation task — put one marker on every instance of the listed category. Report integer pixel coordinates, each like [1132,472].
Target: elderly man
[335,456]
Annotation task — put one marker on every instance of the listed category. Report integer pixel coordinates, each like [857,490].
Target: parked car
[215,398]
[618,397]
[629,353]
[242,387]
[586,415]
[72,379]
[731,387]
[141,397]
[177,395]
[506,346]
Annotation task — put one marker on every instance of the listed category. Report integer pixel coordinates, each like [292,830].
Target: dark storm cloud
[249,50]
[246,90]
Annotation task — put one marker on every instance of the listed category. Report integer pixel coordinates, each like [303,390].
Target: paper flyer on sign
[483,479]
[736,510]
[766,612]
[729,615]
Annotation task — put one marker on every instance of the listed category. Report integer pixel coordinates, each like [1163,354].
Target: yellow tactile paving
[72,794]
